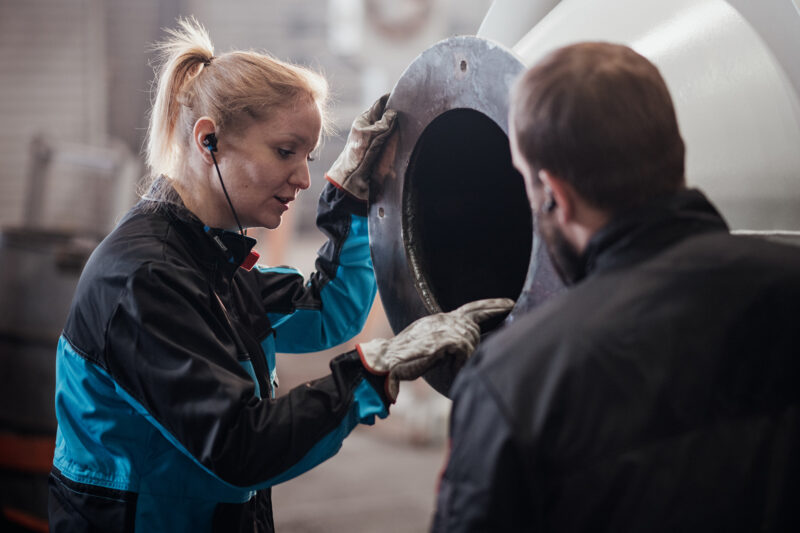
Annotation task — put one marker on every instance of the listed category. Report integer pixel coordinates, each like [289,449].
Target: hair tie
[208,61]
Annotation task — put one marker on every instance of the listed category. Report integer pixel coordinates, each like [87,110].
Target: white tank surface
[733,68]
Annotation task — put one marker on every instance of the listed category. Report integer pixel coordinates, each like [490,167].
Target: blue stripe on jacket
[343,312]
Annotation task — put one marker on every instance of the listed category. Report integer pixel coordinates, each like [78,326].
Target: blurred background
[75,77]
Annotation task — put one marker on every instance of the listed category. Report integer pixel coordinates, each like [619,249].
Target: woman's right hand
[413,351]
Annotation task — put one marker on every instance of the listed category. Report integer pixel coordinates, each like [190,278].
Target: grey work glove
[414,350]
[369,132]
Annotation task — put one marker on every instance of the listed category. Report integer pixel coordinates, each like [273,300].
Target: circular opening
[467,222]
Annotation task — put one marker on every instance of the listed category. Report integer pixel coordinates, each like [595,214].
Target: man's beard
[566,260]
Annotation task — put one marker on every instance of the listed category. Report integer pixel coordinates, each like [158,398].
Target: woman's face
[266,164]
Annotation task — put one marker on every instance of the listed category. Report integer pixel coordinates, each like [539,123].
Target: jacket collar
[220,249]
[636,235]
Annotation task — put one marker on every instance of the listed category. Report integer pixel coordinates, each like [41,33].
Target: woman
[166,367]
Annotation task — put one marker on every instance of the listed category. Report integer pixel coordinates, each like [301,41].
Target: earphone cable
[219,174]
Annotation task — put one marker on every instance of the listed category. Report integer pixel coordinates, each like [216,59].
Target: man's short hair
[600,117]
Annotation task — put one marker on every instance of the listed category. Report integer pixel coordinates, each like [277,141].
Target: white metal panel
[737,110]
[507,21]
[778,23]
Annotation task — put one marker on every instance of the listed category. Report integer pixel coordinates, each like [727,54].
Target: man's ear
[559,197]
[203,127]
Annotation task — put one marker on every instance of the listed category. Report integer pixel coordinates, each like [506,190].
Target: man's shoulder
[587,308]
[577,323]
[767,249]
[566,316]
[530,345]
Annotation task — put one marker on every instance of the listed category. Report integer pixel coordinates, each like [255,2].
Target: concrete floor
[371,485]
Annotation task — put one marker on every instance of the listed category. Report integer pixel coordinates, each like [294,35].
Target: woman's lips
[284,201]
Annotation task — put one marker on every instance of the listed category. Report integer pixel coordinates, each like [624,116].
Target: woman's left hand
[370,130]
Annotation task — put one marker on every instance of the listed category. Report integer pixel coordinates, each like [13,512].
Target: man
[660,392]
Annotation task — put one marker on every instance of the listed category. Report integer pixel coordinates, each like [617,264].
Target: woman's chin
[271,222]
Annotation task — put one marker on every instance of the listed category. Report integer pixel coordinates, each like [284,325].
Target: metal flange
[449,219]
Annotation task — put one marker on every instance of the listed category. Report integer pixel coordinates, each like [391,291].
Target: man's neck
[587,221]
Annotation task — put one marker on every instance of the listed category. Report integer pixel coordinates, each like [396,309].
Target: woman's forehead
[301,122]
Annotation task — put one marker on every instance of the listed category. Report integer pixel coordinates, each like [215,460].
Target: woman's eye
[284,153]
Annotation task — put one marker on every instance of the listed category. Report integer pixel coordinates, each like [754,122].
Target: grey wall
[52,71]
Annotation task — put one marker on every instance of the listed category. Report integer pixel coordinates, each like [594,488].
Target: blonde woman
[165,393]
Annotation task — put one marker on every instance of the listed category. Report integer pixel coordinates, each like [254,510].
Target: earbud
[210,142]
[550,204]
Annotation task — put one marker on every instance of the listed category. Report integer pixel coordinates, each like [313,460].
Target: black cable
[211,151]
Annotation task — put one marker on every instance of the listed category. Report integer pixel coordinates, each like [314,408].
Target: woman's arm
[332,305]
[172,356]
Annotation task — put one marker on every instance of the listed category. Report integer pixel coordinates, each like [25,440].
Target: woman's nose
[302,177]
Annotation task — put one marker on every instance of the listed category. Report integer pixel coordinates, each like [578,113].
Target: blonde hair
[192,83]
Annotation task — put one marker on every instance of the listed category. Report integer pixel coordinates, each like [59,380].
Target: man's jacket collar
[640,233]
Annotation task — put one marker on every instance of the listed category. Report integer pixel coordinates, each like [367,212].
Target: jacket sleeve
[331,306]
[482,487]
[175,362]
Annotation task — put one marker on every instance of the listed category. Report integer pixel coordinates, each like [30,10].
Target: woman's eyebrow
[299,138]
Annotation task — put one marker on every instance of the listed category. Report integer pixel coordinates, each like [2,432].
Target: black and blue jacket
[167,419]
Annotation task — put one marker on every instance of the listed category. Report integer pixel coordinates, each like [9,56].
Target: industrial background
[74,94]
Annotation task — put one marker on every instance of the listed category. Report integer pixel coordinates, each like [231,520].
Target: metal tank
[449,219]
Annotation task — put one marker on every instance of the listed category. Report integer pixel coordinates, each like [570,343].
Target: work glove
[417,348]
[369,132]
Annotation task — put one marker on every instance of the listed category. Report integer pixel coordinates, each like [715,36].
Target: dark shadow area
[467,221]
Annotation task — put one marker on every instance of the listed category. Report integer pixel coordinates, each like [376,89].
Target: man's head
[594,133]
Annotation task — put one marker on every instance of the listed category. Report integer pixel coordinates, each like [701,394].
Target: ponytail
[181,58]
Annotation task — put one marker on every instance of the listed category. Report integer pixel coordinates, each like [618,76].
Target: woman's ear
[203,128]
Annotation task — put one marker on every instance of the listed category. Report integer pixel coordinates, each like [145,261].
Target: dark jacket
[658,394]
[165,370]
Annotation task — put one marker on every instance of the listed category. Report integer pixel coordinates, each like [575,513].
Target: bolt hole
[380,212]
[463,66]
